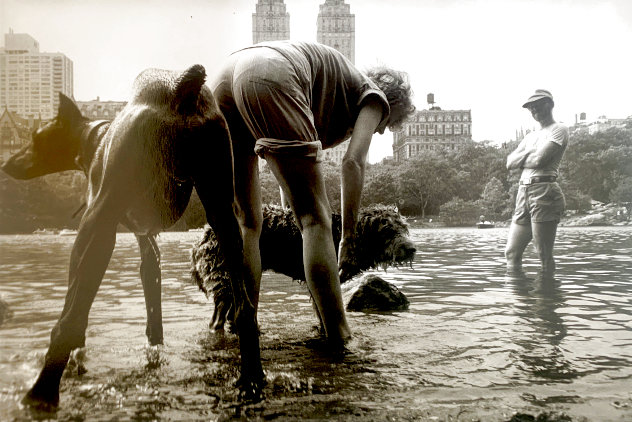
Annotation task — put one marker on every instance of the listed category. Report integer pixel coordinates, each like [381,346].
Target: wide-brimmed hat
[539,94]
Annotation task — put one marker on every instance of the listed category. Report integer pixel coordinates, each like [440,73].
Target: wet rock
[593,220]
[542,417]
[372,293]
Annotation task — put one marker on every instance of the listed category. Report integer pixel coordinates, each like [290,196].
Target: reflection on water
[537,305]
[473,336]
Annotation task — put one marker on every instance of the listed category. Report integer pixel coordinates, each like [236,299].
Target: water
[474,345]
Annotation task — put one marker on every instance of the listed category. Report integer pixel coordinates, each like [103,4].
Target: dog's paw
[155,356]
[250,389]
[77,362]
[41,403]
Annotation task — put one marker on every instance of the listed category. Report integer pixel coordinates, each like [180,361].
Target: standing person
[286,101]
[540,201]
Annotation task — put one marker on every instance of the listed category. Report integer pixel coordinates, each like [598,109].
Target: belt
[538,179]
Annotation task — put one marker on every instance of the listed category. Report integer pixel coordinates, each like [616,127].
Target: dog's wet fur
[381,241]
[141,169]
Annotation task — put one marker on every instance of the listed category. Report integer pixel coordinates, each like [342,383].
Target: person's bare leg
[249,216]
[302,181]
[544,241]
[519,237]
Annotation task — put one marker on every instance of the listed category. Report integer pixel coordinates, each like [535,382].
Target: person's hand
[346,260]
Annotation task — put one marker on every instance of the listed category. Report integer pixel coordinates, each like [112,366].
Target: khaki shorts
[539,203]
[266,106]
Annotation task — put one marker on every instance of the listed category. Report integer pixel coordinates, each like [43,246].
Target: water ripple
[469,328]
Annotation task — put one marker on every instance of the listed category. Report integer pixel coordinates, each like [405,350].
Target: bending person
[540,202]
[286,101]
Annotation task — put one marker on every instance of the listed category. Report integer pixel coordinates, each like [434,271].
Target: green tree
[476,163]
[494,200]
[270,193]
[594,163]
[426,181]
[380,185]
[622,194]
[458,212]
[26,205]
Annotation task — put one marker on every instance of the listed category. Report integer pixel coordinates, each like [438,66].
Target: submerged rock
[542,417]
[372,293]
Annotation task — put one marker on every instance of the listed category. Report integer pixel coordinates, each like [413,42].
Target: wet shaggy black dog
[381,241]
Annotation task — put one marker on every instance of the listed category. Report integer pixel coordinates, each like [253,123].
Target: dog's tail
[187,90]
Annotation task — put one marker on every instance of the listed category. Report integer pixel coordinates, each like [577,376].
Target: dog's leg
[212,173]
[89,259]
[222,307]
[151,278]
[221,217]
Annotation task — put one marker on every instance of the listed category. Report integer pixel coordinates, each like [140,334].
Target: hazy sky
[483,55]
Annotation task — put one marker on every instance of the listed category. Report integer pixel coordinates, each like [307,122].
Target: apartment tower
[30,80]
[335,27]
[270,22]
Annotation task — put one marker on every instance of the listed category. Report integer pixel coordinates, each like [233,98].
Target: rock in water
[372,293]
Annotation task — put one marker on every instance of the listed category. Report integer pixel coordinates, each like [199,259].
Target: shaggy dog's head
[381,241]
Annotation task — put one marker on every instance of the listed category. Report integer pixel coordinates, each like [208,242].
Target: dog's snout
[406,250]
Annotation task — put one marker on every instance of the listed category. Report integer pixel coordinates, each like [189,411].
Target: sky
[486,56]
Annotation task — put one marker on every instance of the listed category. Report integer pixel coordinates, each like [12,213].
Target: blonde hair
[394,84]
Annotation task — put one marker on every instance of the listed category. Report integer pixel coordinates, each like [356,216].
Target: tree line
[457,186]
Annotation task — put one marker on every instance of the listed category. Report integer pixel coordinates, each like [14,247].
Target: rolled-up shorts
[539,203]
[264,98]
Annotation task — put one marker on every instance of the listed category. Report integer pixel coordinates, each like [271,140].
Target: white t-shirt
[556,133]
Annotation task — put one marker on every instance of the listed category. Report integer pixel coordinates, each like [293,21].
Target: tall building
[30,80]
[270,22]
[430,130]
[336,27]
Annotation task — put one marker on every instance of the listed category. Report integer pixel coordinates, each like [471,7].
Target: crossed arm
[532,158]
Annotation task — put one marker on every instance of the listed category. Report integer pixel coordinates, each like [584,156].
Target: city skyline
[483,56]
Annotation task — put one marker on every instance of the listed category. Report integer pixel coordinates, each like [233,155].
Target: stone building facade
[335,27]
[431,130]
[100,110]
[270,22]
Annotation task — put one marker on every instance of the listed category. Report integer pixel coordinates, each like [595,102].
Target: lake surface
[474,345]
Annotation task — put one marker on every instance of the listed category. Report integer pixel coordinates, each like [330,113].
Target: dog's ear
[68,111]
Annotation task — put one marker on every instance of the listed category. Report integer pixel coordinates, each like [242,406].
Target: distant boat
[67,232]
[46,231]
[485,225]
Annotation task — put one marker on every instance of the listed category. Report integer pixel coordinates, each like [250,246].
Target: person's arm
[540,157]
[352,173]
[516,159]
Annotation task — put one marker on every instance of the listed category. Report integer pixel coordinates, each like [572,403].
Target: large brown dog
[381,241]
[141,169]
